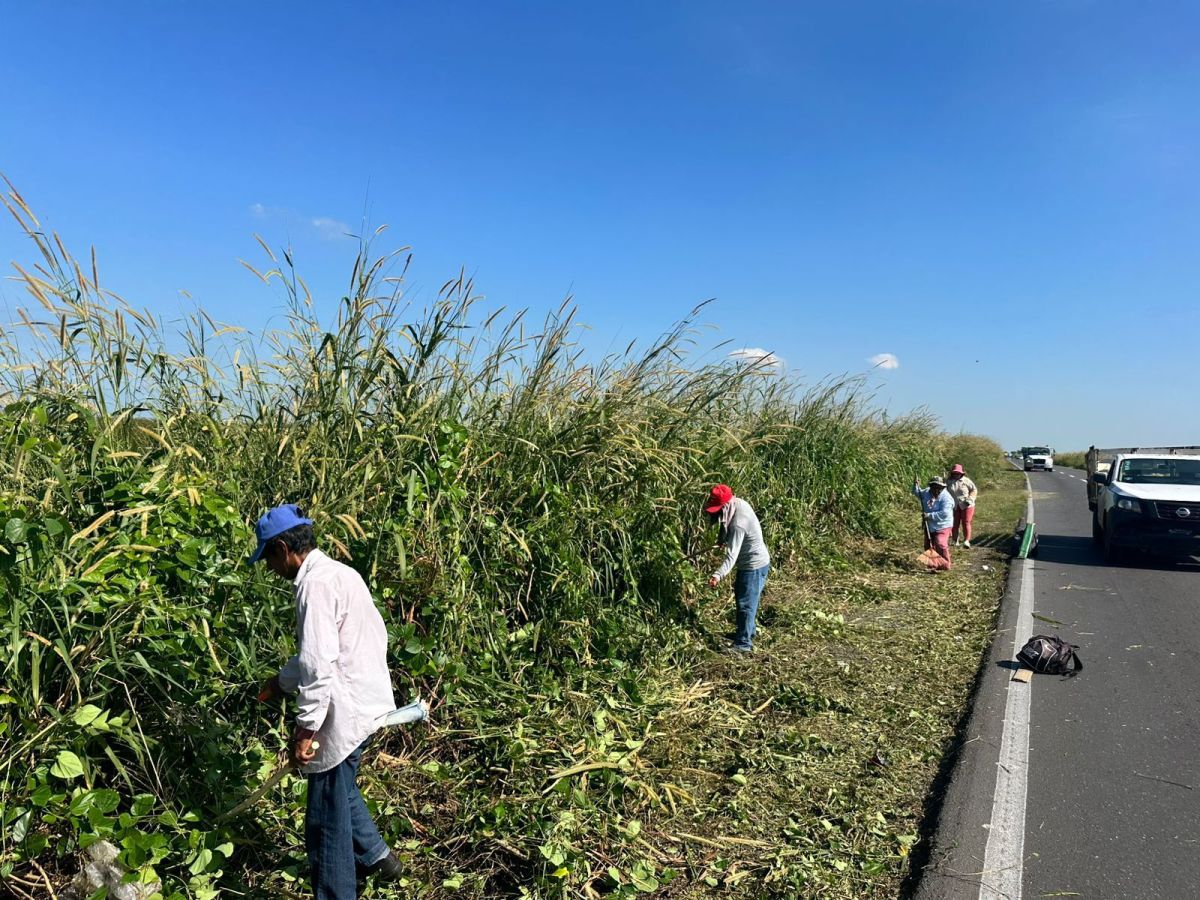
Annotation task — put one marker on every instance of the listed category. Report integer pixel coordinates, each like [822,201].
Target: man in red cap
[963,490]
[741,535]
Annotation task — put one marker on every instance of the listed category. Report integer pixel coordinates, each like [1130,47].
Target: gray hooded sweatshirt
[742,539]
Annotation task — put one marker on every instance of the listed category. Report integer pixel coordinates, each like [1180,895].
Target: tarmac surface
[1109,778]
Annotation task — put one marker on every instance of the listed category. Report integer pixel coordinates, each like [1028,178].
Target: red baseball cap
[718,497]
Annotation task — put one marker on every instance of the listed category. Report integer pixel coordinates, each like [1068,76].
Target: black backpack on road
[1050,655]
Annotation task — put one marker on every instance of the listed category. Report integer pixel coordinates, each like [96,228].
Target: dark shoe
[387,869]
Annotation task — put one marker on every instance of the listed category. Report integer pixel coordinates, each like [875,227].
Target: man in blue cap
[341,676]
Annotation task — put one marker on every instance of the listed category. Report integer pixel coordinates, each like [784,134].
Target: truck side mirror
[1099,478]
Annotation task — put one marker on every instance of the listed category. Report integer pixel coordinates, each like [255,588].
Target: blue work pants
[747,590]
[339,833]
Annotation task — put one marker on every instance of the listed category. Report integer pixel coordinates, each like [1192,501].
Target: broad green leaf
[200,863]
[106,800]
[67,766]
[15,530]
[142,804]
[646,884]
[86,714]
[82,803]
[21,828]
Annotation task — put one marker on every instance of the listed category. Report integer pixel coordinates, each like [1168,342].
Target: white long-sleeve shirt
[340,671]
[743,541]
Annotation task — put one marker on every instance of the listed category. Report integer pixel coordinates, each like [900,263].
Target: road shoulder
[959,809]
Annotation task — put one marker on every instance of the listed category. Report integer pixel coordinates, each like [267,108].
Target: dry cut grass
[803,770]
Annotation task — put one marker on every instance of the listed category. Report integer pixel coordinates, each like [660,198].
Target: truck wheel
[1097,531]
[1113,554]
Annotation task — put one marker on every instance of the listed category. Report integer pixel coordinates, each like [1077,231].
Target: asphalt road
[1106,803]
[1113,804]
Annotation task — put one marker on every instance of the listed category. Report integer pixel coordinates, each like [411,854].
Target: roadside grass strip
[527,519]
[801,770]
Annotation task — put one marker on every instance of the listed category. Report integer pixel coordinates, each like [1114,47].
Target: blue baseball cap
[275,522]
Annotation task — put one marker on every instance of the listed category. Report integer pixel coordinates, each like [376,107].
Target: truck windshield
[1160,471]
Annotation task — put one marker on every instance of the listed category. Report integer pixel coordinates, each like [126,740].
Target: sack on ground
[1050,655]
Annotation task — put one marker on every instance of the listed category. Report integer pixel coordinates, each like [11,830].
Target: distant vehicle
[1145,499]
[1037,458]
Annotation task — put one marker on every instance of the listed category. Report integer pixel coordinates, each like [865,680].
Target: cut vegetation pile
[528,520]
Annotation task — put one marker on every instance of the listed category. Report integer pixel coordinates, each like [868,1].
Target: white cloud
[757,357]
[884,361]
[330,229]
[325,227]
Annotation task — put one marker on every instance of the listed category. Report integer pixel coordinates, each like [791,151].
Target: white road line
[1004,860]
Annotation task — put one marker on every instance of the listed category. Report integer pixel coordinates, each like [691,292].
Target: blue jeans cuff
[382,853]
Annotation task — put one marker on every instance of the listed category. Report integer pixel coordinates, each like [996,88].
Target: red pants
[962,518]
[940,542]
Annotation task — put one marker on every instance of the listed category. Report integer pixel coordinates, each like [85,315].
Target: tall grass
[527,516]
[981,457]
[1075,459]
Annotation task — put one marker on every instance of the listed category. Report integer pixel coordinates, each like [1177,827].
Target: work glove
[270,690]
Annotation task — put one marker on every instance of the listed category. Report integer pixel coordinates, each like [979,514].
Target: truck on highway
[1037,458]
[1145,498]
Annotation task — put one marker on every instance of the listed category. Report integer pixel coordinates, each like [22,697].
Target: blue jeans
[338,830]
[747,589]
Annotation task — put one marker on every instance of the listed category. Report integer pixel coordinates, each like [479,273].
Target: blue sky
[1003,196]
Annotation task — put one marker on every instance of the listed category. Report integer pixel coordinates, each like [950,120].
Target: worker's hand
[302,747]
[713,581]
[270,690]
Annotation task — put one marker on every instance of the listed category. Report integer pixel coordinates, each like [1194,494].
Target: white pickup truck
[1037,458]
[1145,499]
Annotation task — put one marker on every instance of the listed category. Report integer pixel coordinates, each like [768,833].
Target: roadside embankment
[528,520]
